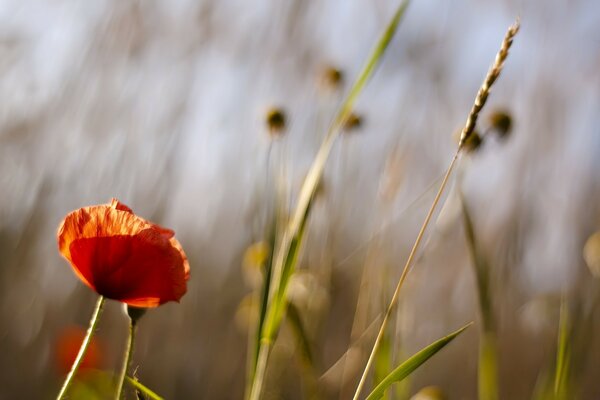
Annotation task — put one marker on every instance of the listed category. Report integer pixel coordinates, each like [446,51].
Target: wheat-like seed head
[489,80]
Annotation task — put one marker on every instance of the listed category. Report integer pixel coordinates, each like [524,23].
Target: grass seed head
[332,78]
[276,121]
[501,122]
[353,123]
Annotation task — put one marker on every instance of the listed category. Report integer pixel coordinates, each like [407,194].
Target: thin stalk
[488,352]
[407,266]
[83,349]
[286,256]
[127,358]
[562,352]
[467,131]
[261,367]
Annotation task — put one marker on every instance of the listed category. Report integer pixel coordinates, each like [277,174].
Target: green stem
[562,352]
[83,349]
[261,367]
[488,366]
[127,358]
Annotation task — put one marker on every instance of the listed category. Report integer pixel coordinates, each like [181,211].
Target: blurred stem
[488,352]
[261,367]
[127,358]
[563,354]
[488,366]
[405,271]
[83,349]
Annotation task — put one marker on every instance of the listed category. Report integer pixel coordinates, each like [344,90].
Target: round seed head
[276,121]
[473,142]
[353,122]
[501,122]
[332,77]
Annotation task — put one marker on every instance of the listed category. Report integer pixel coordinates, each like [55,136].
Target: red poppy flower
[122,256]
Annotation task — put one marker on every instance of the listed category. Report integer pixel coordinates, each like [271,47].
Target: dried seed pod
[473,142]
[352,123]
[332,78]
[276,121]
[501,122]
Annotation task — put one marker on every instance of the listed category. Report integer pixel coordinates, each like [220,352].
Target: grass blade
[563,353]
[287,253]
[488,352]
[147,392]
[480,100]
[414,362]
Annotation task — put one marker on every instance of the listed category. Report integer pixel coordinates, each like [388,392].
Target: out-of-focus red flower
[67,346]
[122,256]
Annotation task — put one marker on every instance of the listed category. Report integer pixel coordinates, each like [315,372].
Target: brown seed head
[353,122]
[501,122]
[276,121]
[332,78]
[473,142]
[489,80]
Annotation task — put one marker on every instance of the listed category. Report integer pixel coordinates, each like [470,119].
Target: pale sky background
[161,104]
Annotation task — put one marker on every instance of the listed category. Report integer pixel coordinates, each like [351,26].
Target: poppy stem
[127,358]
[83,349]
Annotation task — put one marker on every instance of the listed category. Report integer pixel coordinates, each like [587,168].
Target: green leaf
[414,362]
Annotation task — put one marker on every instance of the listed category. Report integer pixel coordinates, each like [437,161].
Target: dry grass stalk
[489,80]
[480,100]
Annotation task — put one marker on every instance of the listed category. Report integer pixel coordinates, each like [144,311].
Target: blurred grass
[287,251]
[488,352]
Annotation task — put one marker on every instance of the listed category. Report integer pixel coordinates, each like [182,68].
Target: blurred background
[164,106]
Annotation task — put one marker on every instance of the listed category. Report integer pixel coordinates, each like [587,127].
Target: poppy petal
[124,257]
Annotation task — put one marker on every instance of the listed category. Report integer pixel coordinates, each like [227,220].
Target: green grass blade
[563,353]
[408,366]
[487,368]
[288,251]
[316,170]
[372,62]
[147,392]
[286,257]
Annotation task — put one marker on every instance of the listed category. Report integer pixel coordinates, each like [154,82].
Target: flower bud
[135,313]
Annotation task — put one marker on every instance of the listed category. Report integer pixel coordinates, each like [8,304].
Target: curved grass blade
[147,392]
[414,362]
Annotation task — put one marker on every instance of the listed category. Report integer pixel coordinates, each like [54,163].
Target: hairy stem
[127,358]
[83,349]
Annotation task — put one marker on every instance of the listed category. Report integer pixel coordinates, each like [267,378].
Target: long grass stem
[83,349]
[405,270]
